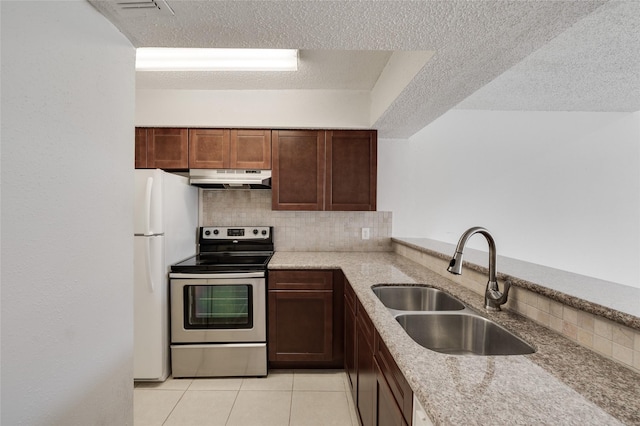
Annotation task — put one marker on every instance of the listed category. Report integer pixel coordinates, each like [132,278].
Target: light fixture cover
[194,59]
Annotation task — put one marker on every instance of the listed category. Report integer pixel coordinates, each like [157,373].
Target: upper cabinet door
[141,147]
[298,170]
[351,170]
[209,148]
[168,148]
[250,149]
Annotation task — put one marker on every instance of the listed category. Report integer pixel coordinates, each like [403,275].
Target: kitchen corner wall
[296,230]
[68,98]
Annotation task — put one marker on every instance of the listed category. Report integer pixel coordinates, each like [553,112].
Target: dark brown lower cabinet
[366,372]
[387,411]
[305,325]
[316,321]
[300,325]
[394,381]
[350,337]
[382,395]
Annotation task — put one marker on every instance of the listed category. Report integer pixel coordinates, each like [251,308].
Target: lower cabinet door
[387,411]
[366,394]
[300,325]
[350,346]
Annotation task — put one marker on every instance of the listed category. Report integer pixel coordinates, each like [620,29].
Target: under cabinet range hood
[230,178]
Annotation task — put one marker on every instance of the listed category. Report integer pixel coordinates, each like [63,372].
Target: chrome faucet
[493,298]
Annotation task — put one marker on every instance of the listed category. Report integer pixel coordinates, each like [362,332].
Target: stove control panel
[235,232]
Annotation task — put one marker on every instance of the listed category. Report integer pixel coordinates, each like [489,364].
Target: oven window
[218,306]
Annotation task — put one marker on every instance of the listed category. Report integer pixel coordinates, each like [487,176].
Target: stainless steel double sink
[438,321]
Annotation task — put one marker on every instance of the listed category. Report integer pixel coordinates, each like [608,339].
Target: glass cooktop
[211,262]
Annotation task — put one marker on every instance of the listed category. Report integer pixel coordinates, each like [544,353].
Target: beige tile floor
[284,397]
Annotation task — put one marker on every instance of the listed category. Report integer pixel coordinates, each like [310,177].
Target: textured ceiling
[349,41]
[593,66]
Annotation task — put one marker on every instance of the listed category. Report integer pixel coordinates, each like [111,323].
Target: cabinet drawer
[395,379]
[300,280]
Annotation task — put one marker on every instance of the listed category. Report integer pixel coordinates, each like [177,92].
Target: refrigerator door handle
[147,258]
[147,206]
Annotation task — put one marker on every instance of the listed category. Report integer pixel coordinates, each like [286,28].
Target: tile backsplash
[296,230]
[610,339]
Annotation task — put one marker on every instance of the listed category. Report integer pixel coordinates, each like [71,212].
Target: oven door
[220,308]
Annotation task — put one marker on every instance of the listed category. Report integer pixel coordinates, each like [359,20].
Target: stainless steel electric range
[218,304]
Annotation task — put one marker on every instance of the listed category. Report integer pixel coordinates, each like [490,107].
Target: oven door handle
[232,275]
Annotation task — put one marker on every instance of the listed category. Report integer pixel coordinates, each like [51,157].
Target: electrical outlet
[365,233]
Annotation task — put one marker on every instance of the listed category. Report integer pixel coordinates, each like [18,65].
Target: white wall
[68,94]
[253,108]
[558,189]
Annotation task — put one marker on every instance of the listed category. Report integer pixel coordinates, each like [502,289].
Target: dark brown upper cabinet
[141,147]
[209,148]
[297,177]
[162,148]
[324,170]
[229,149]
[250,149]
[351,170]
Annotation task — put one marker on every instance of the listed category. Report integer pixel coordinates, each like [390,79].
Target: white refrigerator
[165,227]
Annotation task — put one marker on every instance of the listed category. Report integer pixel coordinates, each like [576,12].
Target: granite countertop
[561,383]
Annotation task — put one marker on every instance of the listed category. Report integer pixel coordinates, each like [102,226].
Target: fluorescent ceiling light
[192,59]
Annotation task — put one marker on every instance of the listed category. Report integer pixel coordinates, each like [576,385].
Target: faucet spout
[493,298]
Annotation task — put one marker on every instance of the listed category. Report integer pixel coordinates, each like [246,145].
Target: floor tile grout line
[190,384]
[174,406]
[235,400]
[290,406]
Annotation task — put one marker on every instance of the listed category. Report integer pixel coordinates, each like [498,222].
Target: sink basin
[415,298]
[462,334]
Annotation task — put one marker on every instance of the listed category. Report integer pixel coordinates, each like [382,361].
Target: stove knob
[207,232]
[264,232]
[216,232]
[255,232]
